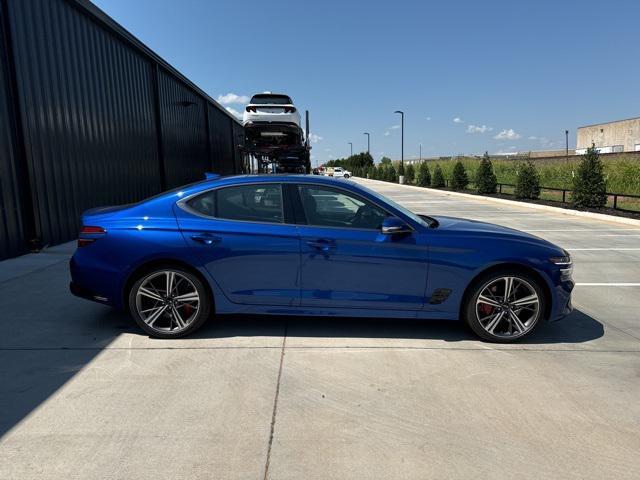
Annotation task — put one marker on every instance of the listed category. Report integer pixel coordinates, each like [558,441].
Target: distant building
[610,137]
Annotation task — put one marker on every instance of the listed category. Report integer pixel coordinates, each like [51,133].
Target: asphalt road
[84,394]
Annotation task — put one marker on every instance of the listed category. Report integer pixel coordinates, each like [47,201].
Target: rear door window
[251,203]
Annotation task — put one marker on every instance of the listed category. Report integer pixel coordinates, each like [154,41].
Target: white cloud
[507,134]
[394,127]
[327,149]
[387,133]
[428,118]
[478,129]
[533,137]
[234,112]
[458,120]
[231,98]
[314,138]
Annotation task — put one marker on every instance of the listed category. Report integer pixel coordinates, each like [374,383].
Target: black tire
[346,176]
[204,305]
[470,309]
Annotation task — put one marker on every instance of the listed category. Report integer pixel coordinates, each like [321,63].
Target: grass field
[622,173]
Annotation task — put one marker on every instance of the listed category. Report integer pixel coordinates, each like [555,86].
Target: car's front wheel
[346,175]
[504,306]
[169,302]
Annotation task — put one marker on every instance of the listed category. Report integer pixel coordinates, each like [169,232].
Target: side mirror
[394,226]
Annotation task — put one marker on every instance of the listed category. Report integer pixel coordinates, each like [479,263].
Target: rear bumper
[80,291]
[93,282]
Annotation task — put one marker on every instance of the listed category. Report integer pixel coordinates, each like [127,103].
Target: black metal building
[90,116]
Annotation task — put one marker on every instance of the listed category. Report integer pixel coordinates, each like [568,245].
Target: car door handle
[206,238]
[322,244]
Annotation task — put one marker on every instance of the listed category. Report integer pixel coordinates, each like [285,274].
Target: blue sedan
[309,245]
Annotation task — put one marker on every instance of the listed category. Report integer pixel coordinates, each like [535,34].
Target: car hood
[475,227]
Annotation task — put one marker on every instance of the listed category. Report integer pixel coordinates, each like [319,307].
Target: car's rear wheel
[169,302]
[346,175]
[504,306]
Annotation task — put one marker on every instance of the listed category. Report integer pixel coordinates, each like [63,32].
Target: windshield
[413,216]
[271,100]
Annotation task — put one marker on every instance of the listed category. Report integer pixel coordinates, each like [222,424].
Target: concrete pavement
[84,394]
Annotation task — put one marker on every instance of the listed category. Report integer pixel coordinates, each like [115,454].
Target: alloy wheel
[507,307]
[167,301]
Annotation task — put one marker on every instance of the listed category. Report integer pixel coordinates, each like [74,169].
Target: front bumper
[563,305]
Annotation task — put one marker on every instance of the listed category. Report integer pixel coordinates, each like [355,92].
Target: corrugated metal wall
[104,120]
[87,114]
[11,228]
[238,144]
[221,139]
[184,132]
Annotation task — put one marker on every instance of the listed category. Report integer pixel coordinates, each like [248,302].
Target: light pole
[420,152]
[401,179]
[351,145]
[368,140]
[566,136]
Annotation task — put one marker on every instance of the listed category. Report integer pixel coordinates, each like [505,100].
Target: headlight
[566,263]
[563,260]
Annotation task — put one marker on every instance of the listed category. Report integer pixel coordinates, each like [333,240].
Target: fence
[617,201]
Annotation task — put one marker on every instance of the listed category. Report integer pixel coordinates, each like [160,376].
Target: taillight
[289,109]
[95,233]
[92,230]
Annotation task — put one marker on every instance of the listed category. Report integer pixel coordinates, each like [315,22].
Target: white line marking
[600,249]
[590,230]
[607,284]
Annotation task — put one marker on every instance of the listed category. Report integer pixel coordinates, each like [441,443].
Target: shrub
[486,181]
[438,177]
[424,175]
[391,175]
[459,178]
[527,181]
[401,168]
[409,173]
[589,188]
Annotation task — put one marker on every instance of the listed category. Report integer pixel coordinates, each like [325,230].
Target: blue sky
[471,76]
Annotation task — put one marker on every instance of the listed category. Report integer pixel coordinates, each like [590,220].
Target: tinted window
[329,207]
[253,203]
[270,100]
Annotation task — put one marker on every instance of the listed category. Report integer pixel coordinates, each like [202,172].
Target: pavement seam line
[275,403]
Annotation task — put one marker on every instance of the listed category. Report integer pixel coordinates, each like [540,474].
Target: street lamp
[368,140]
[402,142]
[566,135]
[351,145]
[420,152]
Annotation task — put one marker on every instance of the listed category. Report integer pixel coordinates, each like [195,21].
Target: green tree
[385,160]
[424,175]
[459,178]
[371,171]
[409,173]
[437,180]
[401,168]
[486,181]
[528,181]
[589,187]
[391,174]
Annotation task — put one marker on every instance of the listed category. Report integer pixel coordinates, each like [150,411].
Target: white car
[270,108]
[339,172]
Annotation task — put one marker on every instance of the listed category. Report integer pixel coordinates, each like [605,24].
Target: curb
[596,216]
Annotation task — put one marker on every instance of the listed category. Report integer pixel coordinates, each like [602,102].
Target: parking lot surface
[84,394]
